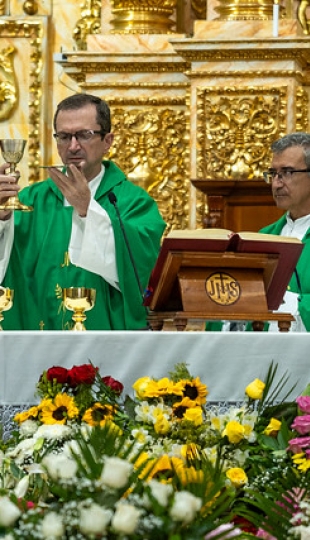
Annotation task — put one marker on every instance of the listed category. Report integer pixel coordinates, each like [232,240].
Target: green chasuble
[39,259]
[300,285]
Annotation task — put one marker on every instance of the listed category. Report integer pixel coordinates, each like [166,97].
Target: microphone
[113,200]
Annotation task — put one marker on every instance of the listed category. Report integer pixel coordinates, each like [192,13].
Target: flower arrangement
[90,463]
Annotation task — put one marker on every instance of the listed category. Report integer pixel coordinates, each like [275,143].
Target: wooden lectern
[213,274]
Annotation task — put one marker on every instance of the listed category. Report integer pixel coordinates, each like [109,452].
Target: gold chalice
[12,151]
[78,300]
[6,301]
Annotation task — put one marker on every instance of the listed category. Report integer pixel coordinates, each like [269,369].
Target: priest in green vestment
[77,235]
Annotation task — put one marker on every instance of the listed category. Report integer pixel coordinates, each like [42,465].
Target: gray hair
[293,139]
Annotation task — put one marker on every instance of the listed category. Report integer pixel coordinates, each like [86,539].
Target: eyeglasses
[82,136]
[284,175]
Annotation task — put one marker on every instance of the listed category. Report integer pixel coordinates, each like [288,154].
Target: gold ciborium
[12,151]
[6,301]
[78,300]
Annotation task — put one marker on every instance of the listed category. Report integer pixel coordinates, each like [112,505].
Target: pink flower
[227,527]
[302,424]
[297,445]
[303,403]
[265,535]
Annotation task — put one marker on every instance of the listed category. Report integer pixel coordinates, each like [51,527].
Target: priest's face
[84,153]
[291,190]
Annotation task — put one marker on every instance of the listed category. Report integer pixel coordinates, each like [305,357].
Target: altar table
[226,362]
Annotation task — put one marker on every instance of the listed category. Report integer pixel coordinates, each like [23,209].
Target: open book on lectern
[218,244]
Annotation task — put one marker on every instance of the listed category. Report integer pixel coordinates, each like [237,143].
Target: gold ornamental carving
[302,15]
[32,31]
[235,128]
[151,146]
[143,16]
[199,8]
[236,10]
[30,7]
[8,83]
[89,23]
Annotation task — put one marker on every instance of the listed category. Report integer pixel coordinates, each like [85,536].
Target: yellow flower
[234,431]
[195,391]
[163,387]
[194,415]
[273,427]
[21,417]
[255,389]
[140,386]
[190,451]
[59,410]
[303,464]
[162,425]
[98,414]
[180,408]
[164,467]
[237,476]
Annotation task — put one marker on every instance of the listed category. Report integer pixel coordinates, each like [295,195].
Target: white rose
[59,466]
[52,526]
[8,512]
[94,519]
[116,472]
[28,428]
[53,432]
[125,519]
[23,449]
[185,506]
[161,492]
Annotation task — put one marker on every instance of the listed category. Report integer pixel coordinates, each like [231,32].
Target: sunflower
[59,410]
[31,414]
[163,388]
[164,468]
[195,391]
[98,414]
[180,409]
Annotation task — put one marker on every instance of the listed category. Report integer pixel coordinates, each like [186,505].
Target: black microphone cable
[113,200]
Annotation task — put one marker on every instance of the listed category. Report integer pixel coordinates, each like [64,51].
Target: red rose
[115,385]
[84,374]
[57,372]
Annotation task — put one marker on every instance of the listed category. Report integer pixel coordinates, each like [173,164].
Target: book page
[201,233]
[248,235]
[218,234]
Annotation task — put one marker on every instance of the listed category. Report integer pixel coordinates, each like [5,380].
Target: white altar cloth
[226,362]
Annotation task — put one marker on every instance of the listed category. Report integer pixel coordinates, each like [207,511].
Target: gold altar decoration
[32,31]
[8,83]
[236,10]
[154,153]
[78,300]
[6,301]
[89,23]
[30,7]
[143,16]
[2,7]
[235,129]
[199,7]
[302,15]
